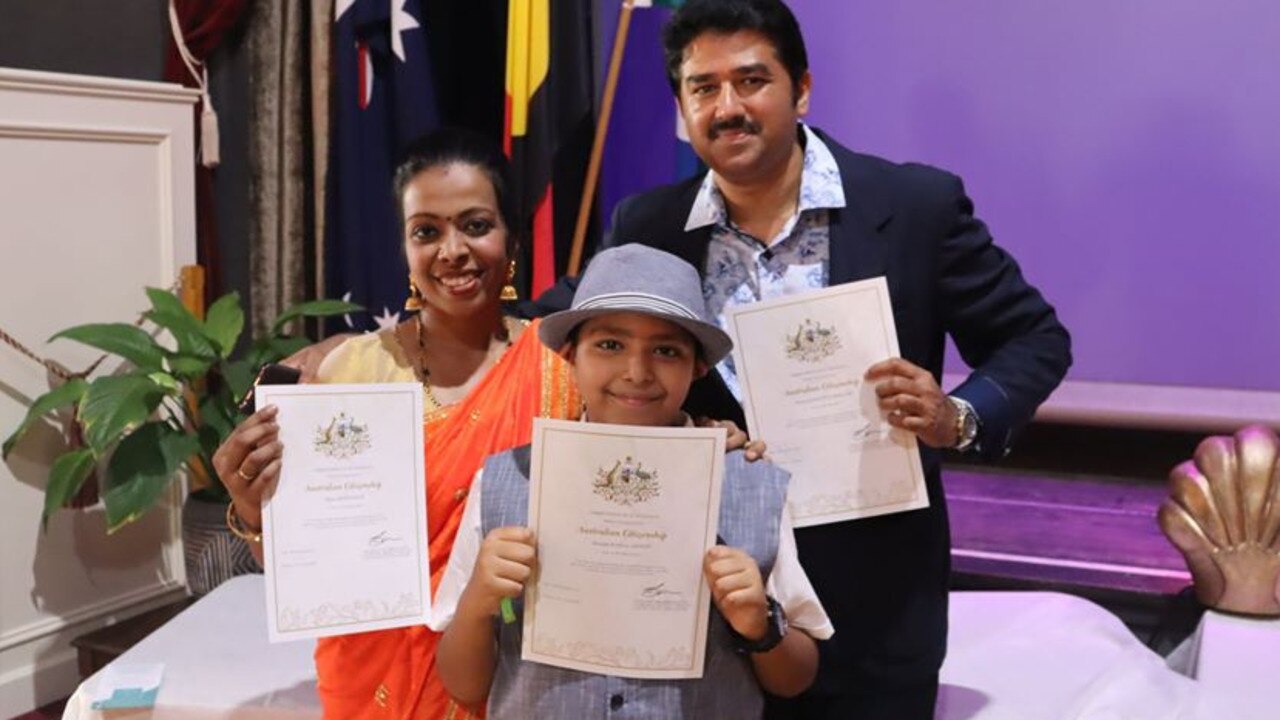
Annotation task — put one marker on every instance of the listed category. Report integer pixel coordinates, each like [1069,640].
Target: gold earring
[508,293]
[414,301]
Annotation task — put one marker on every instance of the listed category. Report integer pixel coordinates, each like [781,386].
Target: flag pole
[597,143]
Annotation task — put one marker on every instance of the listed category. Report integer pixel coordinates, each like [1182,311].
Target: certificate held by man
[800,361]
[623,516]
[345,531]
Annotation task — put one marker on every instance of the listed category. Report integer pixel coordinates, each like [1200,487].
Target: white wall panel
[96,202]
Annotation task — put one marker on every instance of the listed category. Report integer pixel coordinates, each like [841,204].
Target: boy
[637,338]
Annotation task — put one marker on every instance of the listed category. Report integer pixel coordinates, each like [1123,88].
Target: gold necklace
[424,373]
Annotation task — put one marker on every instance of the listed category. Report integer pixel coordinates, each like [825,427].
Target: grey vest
[751,504]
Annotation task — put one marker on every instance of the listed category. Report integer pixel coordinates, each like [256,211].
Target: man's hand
[738,591]
[912,400]
[505,563]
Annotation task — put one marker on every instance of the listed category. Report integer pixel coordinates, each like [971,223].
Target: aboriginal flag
[548,127]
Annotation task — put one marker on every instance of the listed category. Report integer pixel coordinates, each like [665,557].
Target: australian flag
[383,99]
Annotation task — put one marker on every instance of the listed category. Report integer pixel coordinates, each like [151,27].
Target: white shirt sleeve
[790,586]
[462,560]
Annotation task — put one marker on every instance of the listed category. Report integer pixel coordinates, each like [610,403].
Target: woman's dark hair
[770,18]
[452,145]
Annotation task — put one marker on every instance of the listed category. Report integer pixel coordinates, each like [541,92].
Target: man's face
[740,105]
[634,369]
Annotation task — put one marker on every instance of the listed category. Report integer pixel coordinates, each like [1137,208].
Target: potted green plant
[168,409]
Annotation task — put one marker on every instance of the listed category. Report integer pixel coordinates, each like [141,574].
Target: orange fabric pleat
[390,674]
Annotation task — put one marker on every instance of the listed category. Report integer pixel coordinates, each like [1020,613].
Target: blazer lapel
[858,247]
[689,245]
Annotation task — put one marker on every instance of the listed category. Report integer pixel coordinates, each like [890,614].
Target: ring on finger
[244,475]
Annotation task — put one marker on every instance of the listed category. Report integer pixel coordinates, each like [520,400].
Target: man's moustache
[738,123]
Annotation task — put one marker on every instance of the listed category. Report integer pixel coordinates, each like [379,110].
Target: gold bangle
[236,525]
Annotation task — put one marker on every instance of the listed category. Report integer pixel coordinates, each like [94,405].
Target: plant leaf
[239,377]
[315,308]
[189,367]
[214,414]
[129,342]
[168,312]
[141,467]
[113,406]
[275,349]
[70,392]
[166,381]
[224,321]
[66,476]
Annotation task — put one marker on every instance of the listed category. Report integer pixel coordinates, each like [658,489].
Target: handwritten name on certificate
[623,516]
[345,532]
[800,361]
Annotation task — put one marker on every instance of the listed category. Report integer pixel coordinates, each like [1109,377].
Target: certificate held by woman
[345,541]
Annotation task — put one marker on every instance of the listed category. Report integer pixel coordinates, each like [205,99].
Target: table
[1012,656]
[1233,659]
[1033,655]
[218,664]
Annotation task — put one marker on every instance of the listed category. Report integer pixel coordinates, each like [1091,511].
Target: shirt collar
[820,186]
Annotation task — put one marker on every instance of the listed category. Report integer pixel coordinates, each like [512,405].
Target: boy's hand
[738,591]
[506,561]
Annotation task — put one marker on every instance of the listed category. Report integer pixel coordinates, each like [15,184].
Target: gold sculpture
[1223,515]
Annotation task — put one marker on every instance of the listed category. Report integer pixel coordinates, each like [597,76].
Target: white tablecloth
[1234,660]
[218,664]
[1033,655]
[1012,656]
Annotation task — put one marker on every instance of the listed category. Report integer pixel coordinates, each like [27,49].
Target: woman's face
[454,239]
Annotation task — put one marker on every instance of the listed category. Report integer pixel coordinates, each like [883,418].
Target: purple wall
[1127,153]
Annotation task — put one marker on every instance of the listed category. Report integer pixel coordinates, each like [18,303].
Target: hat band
[638,301]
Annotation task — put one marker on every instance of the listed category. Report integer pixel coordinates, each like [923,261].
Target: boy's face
[634,369]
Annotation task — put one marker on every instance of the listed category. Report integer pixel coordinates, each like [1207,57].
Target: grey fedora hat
[638,278]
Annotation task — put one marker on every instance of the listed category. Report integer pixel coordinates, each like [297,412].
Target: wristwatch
[967,424]
[776,630]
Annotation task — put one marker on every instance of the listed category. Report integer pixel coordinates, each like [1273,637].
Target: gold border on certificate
[403,606]
[826,495]
[676,662]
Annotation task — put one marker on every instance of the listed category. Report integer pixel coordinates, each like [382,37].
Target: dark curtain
[204,24]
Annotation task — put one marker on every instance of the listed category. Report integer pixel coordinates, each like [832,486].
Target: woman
[484,378]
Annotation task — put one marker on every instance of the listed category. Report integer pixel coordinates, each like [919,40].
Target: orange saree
[390,674]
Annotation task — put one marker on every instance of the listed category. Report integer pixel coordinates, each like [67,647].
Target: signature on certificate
[383,538]
[871,432]
[657,591]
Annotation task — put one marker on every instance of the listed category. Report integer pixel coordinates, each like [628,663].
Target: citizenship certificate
[623,517]
[345,532]
[800,361]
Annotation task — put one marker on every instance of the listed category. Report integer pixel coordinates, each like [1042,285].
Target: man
[785,209]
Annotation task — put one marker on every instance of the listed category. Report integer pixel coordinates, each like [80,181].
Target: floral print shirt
[742,269]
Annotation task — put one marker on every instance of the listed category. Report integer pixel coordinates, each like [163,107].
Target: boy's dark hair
[770,18]
[452,145]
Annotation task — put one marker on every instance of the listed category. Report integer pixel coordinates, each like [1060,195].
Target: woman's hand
[738,591]
[505,563]
[248,463]
[736,439]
